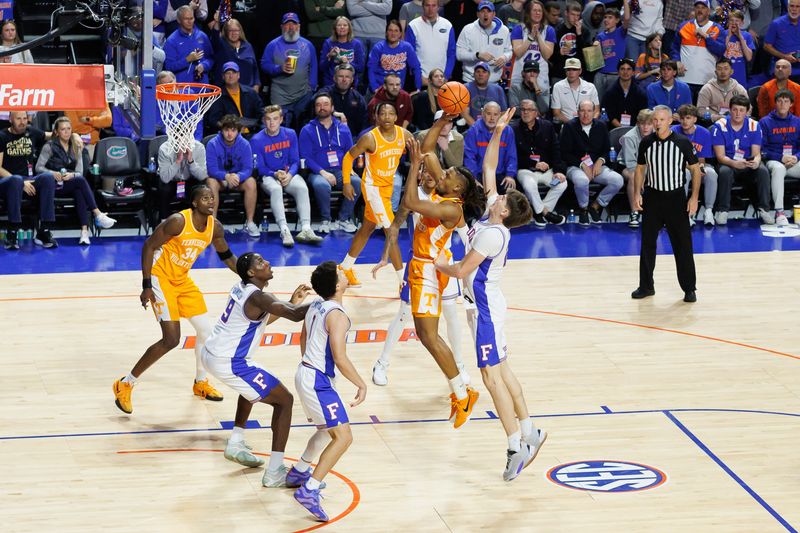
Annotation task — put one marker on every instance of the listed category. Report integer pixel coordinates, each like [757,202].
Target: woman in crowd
[11,39]
[426,103]
[649,63]
[231,44]
[341,47]
[533,40]
[393,56]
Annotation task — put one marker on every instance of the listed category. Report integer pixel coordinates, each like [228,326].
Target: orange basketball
[453,97]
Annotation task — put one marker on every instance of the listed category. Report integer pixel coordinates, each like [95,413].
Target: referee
[663,156]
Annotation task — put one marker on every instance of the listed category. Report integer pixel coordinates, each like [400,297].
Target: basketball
[453,97]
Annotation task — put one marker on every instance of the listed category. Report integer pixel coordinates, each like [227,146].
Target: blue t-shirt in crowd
[749,135]
[701,140]
[784,37]
[734,52]
[613,46]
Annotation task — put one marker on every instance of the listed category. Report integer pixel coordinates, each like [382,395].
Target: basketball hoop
[182,106]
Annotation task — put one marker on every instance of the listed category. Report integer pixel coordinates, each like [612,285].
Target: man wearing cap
[481,92]
[696,47]
[624,99]
[236,99]
[188,52]
[529,89]
[485,40]
[571,90]
[291,62]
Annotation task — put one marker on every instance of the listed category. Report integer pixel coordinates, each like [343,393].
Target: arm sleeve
[307,145]
[716,44]
[488,242]
[247,162]
[208,54]
[266,61]
[451,54]
[360,58]
[675,53]
[173,60]
[373,68]
[198,167]
[416,68]
[44,157]
[314,71]
[471,155]
[378,7]
[212,163]
[167,166]
[314,11]
[511,153]
[294,153]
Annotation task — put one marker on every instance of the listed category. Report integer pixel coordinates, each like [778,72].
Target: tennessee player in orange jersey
[440,215]
[167,256]
[383,146]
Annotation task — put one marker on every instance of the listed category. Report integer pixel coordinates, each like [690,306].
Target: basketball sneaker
[352,280]
[464,407]
[240,452]
[464,374]
[122,395]
[517,461]
[310,500]
[453,408]
[535,440]
[379,376]
[275,478]
[296,478]
[204,389]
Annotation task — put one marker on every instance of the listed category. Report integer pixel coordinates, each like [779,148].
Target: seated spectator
[426,103]
[701,140]
[697,45]
[278,161]
[230,44]
[188,51]
[449,143]
[393,56]
[781,148]
[62,158]
[737,142]
[533,41]
[612,42]
[175,169]
[739,47]
[341,48]
[236,99]
[768,91]
[10,39]
[88,123]
[392,92]
[291,62]
[434,41]
[782,40]
[347,100]
[624,99]
[715,96]
[643,20]
[571,90]
[369,20]
[529,89]
[481,92]
[669,91]
[19,145]
[584,148]
[323,143]
[628,155]
[322,16]
[229,160]
[474,45]
[477,139]
[539,161]
[648,64]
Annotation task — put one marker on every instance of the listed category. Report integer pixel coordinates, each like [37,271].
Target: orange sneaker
[453,407]
[204,389]
[352,280]
[122,395]
[464,407]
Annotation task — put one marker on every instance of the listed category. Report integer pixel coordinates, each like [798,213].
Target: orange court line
[353,487]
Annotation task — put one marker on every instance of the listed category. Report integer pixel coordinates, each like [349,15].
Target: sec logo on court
[606,476]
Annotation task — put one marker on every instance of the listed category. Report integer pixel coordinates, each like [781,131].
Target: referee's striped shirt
[666,160]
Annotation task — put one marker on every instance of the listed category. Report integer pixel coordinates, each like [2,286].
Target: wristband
[225,255]
[146,283]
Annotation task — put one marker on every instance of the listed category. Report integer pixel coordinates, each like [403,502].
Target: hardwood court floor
[695,391]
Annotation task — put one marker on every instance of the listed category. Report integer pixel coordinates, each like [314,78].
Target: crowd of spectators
[288,113]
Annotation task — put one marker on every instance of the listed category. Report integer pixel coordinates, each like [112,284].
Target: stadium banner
[28,87]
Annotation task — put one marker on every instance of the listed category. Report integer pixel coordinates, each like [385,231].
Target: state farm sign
[26,87]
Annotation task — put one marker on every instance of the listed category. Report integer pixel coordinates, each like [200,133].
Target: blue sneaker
[310,500]
[295,478]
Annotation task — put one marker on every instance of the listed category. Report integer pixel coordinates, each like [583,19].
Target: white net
[182,113]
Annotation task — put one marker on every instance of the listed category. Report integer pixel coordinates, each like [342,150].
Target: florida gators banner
[27,87]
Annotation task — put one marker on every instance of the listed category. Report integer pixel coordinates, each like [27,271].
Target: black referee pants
[666,209]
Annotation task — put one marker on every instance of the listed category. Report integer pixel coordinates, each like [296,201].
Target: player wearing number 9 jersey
[228,356]
[167,256]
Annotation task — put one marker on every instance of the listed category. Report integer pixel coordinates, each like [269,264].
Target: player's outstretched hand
[300,294]
[361,395]
[147,296]
[414,152]
[505,118]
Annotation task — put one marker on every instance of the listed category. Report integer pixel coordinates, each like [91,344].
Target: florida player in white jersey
[324,348]
[482,267]
[427,186]
[227,355]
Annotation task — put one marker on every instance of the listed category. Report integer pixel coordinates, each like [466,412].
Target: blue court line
[730,472]
[606,409]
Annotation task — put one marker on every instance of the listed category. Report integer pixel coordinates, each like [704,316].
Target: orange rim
[178,91]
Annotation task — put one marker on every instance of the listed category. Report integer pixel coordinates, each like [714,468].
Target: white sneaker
[780,219]
[464,375]
[307,236]
[347,226]
[691,221]
[84,237]
[536,440]
[708,217]
[721,217]
[379,376]
[286,237]
[517,461]
[766,217]
[275,478]
[325,227]
[252,230]
[240,452]
[104,221]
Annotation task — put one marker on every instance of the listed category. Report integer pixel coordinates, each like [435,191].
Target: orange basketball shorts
[378,204]
[426,285]
[176,299]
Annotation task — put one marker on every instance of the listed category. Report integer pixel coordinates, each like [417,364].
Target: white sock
[399,274]
[312,484]
[458,387]
[306,227]
[395,330]
[450,312]
[130,379]
[285,226]
[275,460]
[302,465]
[237,435]
[348,262]
[526,427]
[513,441]
[202,327]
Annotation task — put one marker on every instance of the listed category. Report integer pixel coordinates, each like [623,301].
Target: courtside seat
[120,172]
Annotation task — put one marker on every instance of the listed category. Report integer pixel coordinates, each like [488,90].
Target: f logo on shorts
[485,351]
[259,379]
[332,408]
